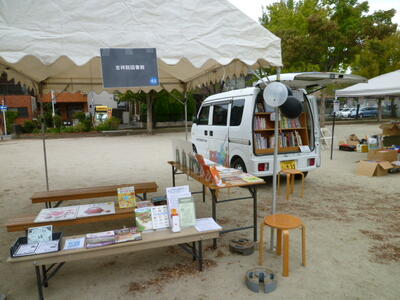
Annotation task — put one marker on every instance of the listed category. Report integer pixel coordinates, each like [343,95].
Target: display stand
[178,169]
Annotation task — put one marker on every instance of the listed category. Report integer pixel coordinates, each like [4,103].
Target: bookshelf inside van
[292,133]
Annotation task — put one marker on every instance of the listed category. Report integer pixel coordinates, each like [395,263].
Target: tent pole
[275,166]
[43,134]
[186,102]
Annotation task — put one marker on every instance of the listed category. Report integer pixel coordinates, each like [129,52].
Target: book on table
[126,197]
[100,239]
[187,212]
[144,221]
[127,235]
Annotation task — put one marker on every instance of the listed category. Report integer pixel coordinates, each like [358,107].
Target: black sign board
[124,67]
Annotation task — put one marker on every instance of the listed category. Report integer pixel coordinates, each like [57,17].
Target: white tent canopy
[198,42]
[384,85]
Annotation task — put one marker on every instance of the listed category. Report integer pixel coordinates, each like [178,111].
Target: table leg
[39,283]
[200,255]
[286,258]
[214,212]
[173,176]
[254,194]
[194,251]
[144,196]
[204,193]
[44,272]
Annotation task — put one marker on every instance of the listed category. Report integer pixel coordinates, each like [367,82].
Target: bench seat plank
[90,192]
[149,240]
[24,222]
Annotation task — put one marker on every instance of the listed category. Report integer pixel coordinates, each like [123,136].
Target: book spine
[95,245]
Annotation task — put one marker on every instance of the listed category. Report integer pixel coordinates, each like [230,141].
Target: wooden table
[252,188]
[151,240]
[90,192]
[24,222]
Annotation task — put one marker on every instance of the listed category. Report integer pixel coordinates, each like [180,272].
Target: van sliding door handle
[205,132]
[211,133]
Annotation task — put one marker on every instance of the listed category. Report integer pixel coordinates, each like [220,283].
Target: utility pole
[4,118]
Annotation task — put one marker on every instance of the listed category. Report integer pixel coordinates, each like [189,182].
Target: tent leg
[43,134]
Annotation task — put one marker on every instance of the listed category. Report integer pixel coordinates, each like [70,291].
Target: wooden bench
[24,222]
[152,240]
[90,192]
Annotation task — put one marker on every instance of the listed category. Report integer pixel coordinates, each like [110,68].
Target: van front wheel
[238,163]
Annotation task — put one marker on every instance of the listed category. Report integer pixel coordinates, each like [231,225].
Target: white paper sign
[304,148]
[40,234]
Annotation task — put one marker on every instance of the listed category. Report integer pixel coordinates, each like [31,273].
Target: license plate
[288,164]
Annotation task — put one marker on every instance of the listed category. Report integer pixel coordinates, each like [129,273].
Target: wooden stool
[283,223]
[290,175]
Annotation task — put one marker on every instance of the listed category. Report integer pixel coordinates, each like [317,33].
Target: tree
[324,35]
[378,57]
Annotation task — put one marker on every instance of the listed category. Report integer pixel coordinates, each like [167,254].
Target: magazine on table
[126,197]
[99,239]
[57,214]
[251,178]
[96,209]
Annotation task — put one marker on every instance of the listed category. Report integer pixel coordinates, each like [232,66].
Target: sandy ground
[353,226]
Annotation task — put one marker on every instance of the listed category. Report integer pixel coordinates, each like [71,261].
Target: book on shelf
[261,123]
[289,123]
[126,197]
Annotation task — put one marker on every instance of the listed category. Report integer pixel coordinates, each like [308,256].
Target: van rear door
[201,130]
[218,135]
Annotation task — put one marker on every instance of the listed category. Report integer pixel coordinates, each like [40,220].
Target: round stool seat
[291,171]
[282,221]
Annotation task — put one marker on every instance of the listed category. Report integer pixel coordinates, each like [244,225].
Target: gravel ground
[353,226]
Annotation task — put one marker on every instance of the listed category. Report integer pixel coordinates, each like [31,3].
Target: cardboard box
[373,168]
[382,154]
[391,129]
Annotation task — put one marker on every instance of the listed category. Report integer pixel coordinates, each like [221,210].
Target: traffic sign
[3,107]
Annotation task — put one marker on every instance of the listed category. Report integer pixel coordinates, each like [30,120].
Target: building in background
[67,104]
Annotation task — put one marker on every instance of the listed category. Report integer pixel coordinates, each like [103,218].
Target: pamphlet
[207,224]
[159,216]
[40,234]
[127,235]
[143,218]
[76,243]
[47,247]
[37,248]
[173,196]
[96,209]
[57,214]
[26,249]
[187,212]
[126,197]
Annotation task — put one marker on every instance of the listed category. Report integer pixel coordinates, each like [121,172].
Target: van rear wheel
[238,163]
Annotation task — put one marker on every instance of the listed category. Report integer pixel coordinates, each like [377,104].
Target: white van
[236,128]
